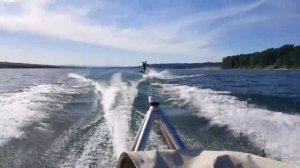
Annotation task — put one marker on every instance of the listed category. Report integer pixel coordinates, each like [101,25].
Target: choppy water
[87,117]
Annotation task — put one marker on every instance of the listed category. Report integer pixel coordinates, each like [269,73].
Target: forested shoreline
[285,57]
[24,65]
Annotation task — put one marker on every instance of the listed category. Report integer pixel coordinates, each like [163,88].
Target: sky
[126,32]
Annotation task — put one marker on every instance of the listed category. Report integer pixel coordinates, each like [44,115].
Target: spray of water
[276,132]
[20,109]
[166,75]
[117,99]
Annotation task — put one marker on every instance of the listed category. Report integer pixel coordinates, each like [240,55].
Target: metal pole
[155,114]
[145,131]
[167,137]
[171,131]
[138,135]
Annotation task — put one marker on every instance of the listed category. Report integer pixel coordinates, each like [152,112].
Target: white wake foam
[19,109]
[97,151]
[118,114]
[276,132]
[84,79]
[117,99]
[79,77]
[167,75]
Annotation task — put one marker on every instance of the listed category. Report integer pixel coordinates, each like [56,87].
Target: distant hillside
[187,65]
[285,57]
[22,65]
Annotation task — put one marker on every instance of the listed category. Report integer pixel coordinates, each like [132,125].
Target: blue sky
[114,32]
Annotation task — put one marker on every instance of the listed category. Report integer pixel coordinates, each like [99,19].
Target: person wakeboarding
[144,67]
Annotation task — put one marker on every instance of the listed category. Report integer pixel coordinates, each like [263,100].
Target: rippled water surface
[88,117]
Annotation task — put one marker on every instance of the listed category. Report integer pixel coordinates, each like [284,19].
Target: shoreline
[11,65]
[208,68]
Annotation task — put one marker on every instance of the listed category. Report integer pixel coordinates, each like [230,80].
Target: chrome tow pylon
[154,114]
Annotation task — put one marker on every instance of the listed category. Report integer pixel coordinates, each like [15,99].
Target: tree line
[287,56]
[185,65]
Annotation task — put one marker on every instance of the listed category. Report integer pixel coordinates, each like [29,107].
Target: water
[88,117]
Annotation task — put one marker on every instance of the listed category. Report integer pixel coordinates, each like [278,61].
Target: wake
[276,132]
[166,75]
[117,99]
[20,109]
